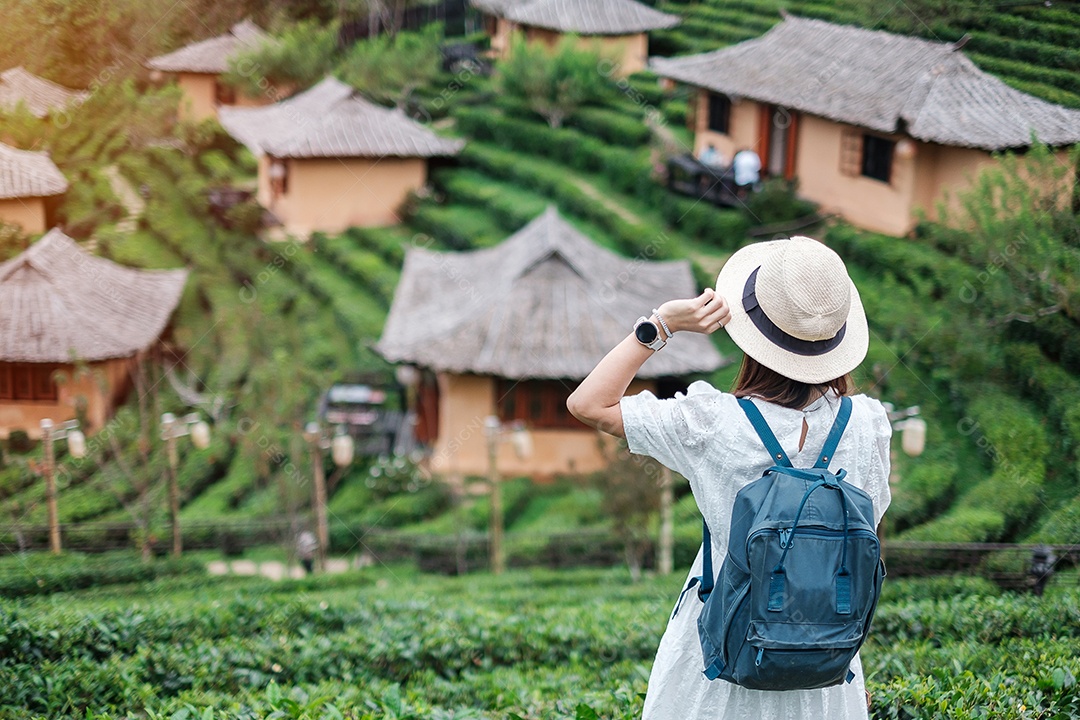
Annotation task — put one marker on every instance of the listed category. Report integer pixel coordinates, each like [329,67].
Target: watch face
[646,332]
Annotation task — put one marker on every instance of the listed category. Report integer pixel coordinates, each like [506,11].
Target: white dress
[705,436]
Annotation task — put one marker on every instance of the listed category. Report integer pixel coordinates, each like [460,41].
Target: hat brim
[814,369]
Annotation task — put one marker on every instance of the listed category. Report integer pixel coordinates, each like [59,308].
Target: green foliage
[554,82]
[245,217]
[1013,439]
[388,69]
[298,57]
[777,203]
[389,643]
[13,240]
[42,574]
[631,487]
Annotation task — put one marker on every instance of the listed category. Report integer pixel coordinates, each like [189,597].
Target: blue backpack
[796,593]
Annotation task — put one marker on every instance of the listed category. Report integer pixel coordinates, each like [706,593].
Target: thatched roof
[28,174]
[332,120]
[545,303]
[877,80]
[211,55]
[62,303]
[40,96]
[584,17]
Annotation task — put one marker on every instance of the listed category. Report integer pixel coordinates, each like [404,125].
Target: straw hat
[794,309]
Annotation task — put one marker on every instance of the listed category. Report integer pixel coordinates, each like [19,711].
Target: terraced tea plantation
[387,642]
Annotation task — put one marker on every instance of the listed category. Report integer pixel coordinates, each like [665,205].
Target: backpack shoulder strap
[839,425]
[763,431]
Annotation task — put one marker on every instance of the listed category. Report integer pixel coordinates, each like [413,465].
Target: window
[27,381]
[539,403]
[279,177]
[224,94]
[877,157]
[719,113]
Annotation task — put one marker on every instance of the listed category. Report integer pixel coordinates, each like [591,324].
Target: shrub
[554,83]
[776,202]
[49,574]
[19,442]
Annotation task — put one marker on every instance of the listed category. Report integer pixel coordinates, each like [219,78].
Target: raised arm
[595,402]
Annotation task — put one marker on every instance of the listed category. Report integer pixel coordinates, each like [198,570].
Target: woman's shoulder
[870,411]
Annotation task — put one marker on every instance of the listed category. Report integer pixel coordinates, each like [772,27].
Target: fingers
[712,313]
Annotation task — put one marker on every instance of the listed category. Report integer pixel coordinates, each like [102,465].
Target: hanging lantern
[521,439]
[76,444]
[200,435]
[342,449]
[913,436]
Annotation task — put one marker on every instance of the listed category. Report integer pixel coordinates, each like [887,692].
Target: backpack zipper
[787,534]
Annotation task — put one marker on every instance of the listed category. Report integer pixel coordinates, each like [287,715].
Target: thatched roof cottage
[198,68]
[39,96]
[617,28]
[65,309]
[30,184]
[330,159]
[874,125]
[510,330]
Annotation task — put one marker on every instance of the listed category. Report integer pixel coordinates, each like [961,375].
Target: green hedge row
[751,19]
[1018,70]
[1042,31]
[611,126]
[367,269]
[626,172]
[1035,52]
[932,273]
[624,169]
[1015,443]
[509,206]
[633,238]
[41,574]
[1053,389]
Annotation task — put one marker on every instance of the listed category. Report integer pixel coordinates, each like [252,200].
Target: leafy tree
[299,57]
[389,69]
[631,485]
[1017,225]
[553,82]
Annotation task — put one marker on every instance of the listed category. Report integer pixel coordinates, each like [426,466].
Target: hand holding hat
[705,313]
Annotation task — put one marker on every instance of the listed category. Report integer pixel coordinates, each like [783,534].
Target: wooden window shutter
[851,151]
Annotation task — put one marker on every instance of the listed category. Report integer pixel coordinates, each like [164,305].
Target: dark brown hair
[756,380]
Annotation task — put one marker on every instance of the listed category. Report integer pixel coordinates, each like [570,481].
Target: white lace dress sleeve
[705,436]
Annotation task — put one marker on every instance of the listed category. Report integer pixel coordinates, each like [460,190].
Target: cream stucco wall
[100,385]
[866,202]
[199,100]
[28,213]
[197,103]
[461,447]
[742,127]
[500,41]
[944,172]
[331,194]
[626,54]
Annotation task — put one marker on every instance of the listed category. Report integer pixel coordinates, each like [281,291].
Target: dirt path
[273,569]
[589,190]
[131,200]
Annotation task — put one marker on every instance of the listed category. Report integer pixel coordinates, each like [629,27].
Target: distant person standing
[747,169]
[711,156]
[306,545]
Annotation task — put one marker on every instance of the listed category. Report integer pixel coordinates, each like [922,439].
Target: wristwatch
[648,334]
